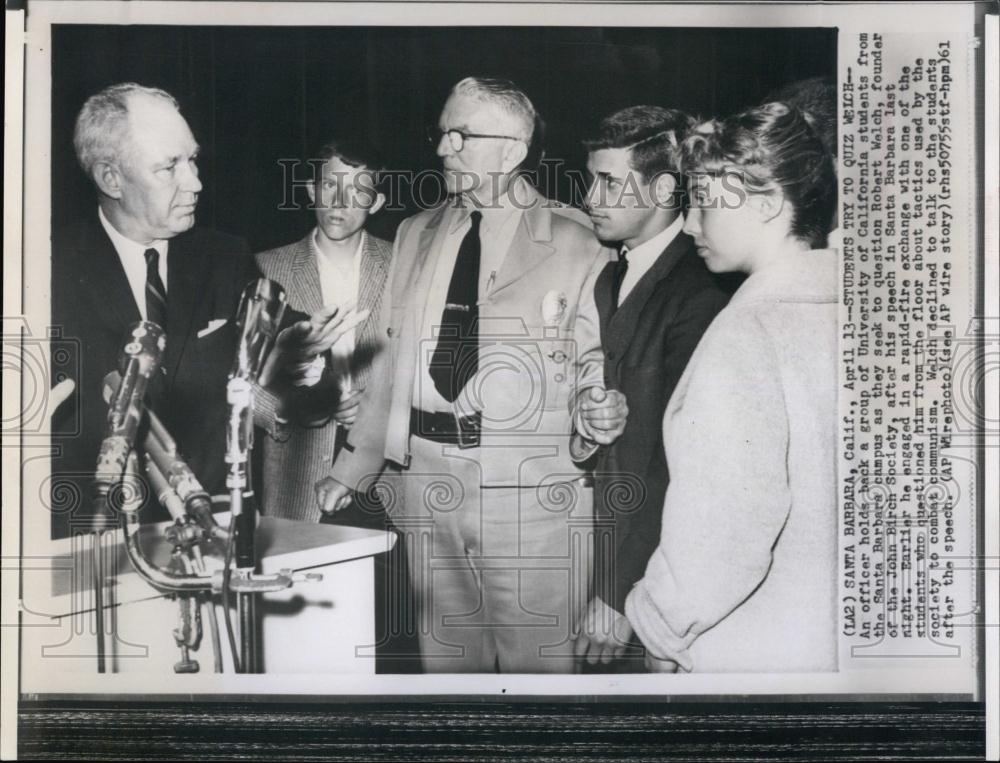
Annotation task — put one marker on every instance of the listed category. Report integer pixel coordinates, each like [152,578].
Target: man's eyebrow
[607,175]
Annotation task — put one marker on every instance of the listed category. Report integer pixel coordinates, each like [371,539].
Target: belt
[447,428]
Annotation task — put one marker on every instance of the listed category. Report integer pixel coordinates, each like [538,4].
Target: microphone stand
[260,311]
[139,361]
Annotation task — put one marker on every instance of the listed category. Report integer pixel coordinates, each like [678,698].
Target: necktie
[156,294]
[621,268]
[456,356]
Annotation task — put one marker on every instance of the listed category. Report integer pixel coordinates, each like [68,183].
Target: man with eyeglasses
[494,357]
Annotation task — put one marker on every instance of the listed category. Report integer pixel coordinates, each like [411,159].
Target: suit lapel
[187,281]
[374,270]
[602,296]
[305,277]
[428,250]
[530,247]
[374,267]
[102,272]
[622,325]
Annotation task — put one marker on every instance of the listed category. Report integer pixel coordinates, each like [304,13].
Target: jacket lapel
[530,246]
[374,268]
[102,272]
[622,325]
[187,282]
[305,277]
[602,296]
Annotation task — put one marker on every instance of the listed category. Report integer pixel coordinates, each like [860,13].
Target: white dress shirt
[496,232]
[132,256]
[642,258]
[340,286]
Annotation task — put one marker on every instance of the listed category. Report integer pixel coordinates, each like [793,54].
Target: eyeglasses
[457,138]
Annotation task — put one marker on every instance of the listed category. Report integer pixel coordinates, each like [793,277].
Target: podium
[325,626]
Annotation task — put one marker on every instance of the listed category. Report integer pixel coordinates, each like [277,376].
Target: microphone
[262,306]
[139,360]
[161,450]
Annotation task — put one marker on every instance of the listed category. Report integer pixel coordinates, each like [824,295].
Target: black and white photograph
[471,352]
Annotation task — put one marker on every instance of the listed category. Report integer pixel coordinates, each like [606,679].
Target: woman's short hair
[101,131]
[773,147]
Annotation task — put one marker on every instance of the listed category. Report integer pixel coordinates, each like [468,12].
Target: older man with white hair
[493,357]
[140,256]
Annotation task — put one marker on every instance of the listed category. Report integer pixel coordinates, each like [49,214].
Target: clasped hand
[601,414]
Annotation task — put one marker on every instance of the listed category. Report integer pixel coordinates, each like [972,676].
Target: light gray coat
[745,575]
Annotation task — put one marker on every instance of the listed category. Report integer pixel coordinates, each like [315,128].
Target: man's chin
[182,224]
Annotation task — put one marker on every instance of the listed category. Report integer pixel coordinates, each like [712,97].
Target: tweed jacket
[744,577]
[297,456]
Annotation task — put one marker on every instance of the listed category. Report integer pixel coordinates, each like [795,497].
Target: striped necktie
[156,294]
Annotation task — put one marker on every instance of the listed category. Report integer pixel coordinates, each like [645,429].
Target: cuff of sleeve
[268,413]
[580,448]
[653,631]
[352,469]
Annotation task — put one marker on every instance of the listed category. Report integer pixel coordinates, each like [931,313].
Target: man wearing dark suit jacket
[654,304]
[139,257]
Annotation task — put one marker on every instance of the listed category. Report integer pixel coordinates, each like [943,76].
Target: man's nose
[590,201]
[691,223]
[444,146]
[190,181]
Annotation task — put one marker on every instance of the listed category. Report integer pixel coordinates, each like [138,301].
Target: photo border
[455,728]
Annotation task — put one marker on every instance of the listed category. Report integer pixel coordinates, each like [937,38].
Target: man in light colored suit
[493,343]
[337,264]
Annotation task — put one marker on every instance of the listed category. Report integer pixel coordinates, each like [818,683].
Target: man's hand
[602,633]
[656,665]
[601,414]
[332,496]
[347,409]
[297,346]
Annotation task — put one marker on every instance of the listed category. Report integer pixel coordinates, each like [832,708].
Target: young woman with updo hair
[744,578]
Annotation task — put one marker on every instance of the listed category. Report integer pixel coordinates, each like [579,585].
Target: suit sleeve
[589,354]
[636,534]
[728,497]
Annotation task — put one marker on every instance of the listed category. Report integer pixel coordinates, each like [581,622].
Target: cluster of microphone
[131,421]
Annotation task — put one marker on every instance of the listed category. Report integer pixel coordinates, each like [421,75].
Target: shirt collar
[319,252]
[125,246]
[495,216]
[653,248]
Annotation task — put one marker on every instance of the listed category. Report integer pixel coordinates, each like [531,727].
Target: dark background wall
[256,95]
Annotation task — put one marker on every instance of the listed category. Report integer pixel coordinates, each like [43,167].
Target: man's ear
[377,204]
[108,179]
[311,190]
[662,191]
[514,154]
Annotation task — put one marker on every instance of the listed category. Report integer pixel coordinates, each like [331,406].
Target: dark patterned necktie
[156,294]
[456,356]
[621,268]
